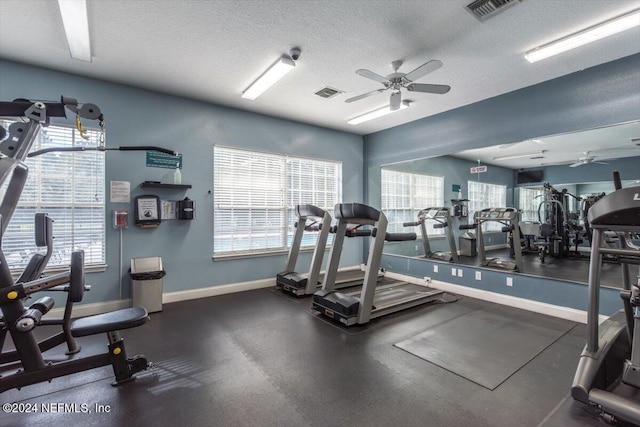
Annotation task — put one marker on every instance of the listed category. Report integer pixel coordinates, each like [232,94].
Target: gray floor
[260,358]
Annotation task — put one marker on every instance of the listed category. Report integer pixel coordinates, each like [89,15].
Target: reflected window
[530,199]
[255,195]
[404,195]
[484,195]
[70,188]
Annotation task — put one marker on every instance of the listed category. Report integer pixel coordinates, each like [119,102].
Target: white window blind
[406,194]
[70,188]
[483,195]
[255,195]
[530,199]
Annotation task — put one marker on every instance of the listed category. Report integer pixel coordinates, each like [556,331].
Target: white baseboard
[561,312]
[81,310]
[213,291]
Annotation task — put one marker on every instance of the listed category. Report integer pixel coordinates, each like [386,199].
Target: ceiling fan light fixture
[374,114]
[520,156]
[278,70]
[591,34]
[76,28]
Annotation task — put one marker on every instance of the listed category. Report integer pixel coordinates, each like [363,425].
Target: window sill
[97,268]
[227,257]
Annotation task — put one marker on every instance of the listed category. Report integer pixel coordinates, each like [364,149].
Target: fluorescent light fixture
[281,67]
[519,156]
[597,32]
[378,112]
[76,27]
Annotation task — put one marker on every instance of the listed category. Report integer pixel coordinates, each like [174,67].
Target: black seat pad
[107,322]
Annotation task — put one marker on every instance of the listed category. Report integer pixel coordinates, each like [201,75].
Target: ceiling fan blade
[600,163]
[420,87]
[576,164]
[364,95]
[373,76]
[423,70]
[394,102]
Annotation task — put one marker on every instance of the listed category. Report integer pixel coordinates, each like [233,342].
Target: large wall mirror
[514,175]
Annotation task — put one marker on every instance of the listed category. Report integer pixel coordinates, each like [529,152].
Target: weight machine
[558,230]
[19,321]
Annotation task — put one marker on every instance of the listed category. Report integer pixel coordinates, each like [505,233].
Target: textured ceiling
[212,50]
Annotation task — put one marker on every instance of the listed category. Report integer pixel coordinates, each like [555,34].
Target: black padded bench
[107,322]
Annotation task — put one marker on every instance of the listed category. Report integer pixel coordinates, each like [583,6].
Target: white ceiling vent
[484,9]
[328,92]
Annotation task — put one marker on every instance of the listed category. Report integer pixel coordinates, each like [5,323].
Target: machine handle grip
[440,225]
[410,224]
[507,228]
[467,226]
[617,183]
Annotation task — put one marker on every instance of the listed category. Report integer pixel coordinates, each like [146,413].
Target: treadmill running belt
[486,348]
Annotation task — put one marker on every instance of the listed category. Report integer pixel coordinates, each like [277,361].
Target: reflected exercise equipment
[508,217]
[441,218]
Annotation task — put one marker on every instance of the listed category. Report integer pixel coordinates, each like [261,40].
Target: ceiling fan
[396,81]
[587,159]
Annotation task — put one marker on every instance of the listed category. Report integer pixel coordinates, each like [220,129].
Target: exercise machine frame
[608,373]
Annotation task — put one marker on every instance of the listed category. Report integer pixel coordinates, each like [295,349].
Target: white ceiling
[212,50]
[599,145]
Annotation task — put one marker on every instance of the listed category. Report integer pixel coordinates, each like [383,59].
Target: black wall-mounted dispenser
[186,208]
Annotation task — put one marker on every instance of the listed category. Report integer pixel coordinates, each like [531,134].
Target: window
[483,195]
[255,195]
[530,199]
[406,194]
[70,188]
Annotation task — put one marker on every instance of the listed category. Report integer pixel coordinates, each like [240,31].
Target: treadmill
[289,280]
[442,219]
[508,217]
[373,300]
[300,284]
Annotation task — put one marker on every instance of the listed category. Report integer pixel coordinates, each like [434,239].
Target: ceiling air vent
[484,9]
[328,92]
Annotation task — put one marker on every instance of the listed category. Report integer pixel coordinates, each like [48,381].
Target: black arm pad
[43,305]
[410,224]
[467,226]
[358,233]
[507,228]
[440,225]
[400,237]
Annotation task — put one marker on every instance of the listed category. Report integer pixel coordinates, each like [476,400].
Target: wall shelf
[162,185]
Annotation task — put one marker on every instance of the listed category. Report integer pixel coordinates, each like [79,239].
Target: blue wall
[138,117]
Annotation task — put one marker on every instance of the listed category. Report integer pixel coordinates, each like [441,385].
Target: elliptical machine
[608,373]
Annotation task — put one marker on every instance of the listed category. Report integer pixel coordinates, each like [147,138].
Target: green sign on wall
[156,159]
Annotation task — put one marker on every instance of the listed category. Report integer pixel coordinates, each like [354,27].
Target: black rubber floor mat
[486,348]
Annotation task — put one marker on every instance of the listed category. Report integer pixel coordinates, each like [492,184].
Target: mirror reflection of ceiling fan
[587,159]
[397,81]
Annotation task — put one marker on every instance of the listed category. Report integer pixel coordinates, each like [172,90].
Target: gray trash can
[468,244]
[146,283]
